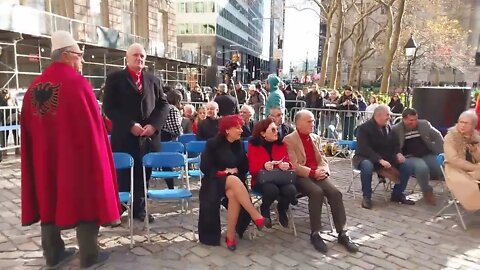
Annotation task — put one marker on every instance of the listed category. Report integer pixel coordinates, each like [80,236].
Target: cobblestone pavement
[391,237]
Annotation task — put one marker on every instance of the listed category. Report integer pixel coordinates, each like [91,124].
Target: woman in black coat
[224,164]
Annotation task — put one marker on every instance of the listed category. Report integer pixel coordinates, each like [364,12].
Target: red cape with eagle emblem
[68,173]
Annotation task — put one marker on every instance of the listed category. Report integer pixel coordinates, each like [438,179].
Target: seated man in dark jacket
[378,150]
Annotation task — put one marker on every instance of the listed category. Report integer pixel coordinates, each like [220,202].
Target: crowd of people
[69,178]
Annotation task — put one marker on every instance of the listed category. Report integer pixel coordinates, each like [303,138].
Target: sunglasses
[274,129]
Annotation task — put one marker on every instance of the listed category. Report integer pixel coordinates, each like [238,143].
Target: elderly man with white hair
[462,161]
[247,113]
[379,150]
[188,118]
[135,102]
[68,175]
[306,156]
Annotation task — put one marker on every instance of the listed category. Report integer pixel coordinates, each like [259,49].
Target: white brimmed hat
[62,39]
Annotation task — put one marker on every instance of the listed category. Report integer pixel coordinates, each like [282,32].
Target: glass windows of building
[195,29]
[197,7]
[130,17]
[95,9]
[127,14]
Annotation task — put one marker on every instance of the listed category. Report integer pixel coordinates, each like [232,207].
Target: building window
[161,18]
[181,28]
[130,17]
[95,9]
[36,4]
[199,7]
[182,7]
[127,14]
[210,7]
[189,7]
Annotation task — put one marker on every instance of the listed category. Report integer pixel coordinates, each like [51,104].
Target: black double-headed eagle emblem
[44,98]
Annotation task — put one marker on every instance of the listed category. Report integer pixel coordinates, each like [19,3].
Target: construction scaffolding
[23,57]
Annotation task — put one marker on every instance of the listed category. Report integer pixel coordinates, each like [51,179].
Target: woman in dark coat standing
[225,165]
[395,104]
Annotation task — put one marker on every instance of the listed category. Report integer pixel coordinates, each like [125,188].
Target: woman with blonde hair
[462,161]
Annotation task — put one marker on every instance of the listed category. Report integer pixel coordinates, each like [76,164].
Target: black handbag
[276,176]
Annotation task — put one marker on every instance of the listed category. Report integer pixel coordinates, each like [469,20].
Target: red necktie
[139,84]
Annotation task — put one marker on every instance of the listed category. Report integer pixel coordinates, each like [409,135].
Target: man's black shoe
[282,216]
[318,242]
[141,217]
[367,203]
[345,241]
[401,199]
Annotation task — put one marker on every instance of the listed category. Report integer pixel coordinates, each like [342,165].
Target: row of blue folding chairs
[124,161]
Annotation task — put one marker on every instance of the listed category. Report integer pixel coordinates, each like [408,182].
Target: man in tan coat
[312,180]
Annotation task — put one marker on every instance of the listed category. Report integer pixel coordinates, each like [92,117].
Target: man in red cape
[68,173]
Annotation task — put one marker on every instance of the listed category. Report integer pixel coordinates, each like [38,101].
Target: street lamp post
[410,53]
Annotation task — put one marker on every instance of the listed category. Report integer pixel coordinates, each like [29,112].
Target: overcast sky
[301,35]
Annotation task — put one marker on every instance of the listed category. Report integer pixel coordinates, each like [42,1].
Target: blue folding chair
[451,200]
[186,138]
[245,146]
[176,147]
[194,148]
[125,161]
[171,160]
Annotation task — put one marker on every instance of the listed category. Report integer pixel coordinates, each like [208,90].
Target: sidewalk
[391,237]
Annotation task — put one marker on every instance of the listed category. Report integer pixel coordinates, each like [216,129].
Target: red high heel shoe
[260,223]
[231,244]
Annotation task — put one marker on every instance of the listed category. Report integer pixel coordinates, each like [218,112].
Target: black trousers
[166,137]
[285,194]
[53,245]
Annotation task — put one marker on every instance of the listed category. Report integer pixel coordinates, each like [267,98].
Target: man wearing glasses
[278,117]
[68,175]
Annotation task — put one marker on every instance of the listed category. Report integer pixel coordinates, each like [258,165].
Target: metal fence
[331,124]
[9,128]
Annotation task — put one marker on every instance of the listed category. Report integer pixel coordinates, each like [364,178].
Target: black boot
[282,209]
[265,211]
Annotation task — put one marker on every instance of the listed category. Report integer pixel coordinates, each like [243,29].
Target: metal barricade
[195,104]
[9,127]
[332,124]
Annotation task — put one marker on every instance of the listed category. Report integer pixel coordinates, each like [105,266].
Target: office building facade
[104,28]
[222,28]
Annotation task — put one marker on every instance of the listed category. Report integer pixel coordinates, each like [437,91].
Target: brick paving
[391,237]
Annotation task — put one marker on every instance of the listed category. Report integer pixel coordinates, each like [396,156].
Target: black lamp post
[410,53]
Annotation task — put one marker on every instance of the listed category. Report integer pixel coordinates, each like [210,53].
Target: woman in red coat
[265,152]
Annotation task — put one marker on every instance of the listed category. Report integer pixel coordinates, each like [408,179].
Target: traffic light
[477,59]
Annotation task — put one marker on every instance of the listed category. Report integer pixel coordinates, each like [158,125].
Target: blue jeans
[366,171]
[424,168]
